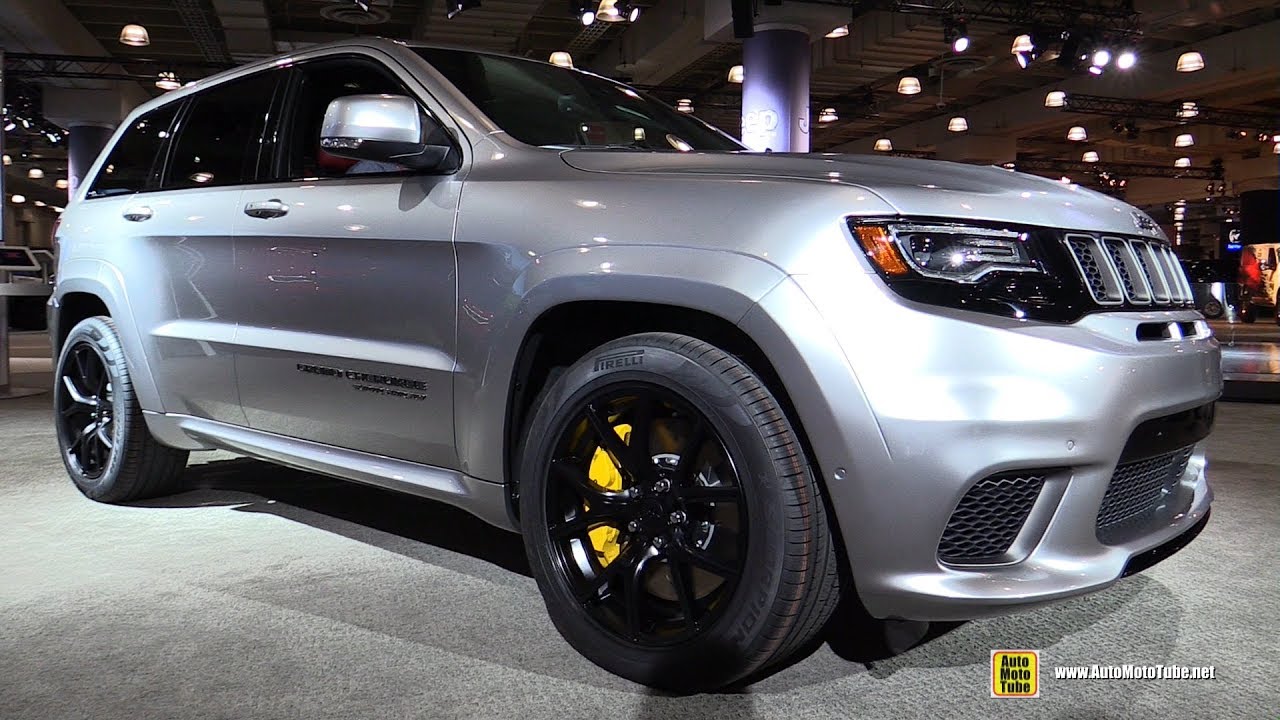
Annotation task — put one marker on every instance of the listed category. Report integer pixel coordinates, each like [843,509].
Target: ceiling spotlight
[1188,110]
[562,59]
[737,74]
[10,125]
[839,32]
[1190,62]
[1024,59]
[1064,180]
[19,199]
[828,115]
[1101,58]
[633,14]
[453,7]
[1275,149]
[586,16]
[1126,60]
[956,34]
[61,183]
[960,44]
[1022,44]
[883,145]
[35,173]
[1182,162]
[1077,133]
[7,161]
[957,124]
[684,105]
[1089,156]
[1055,99]
[40,203]
[58,209]
[168,81]
[134,36]
[608,12]
[1095,70]
[909,85]
[1184,140]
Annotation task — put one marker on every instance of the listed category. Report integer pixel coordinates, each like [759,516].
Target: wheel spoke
[711,494]
[586,520]
[565,471]
[683,588]
[633,593]
[81,445]
[76,396]
[609,440]
[82,366]
[642,412]
[706,561]
[591,588]
[689,453]
[101,434]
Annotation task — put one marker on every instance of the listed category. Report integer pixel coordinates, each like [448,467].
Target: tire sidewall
[99,333]
[722,652]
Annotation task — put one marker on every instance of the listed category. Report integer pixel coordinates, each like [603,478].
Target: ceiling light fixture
[1275,149]
[1127,59]
[737,74]
[1089,156]
[1101,58]
[1055,99]
[61,184]
[1188,110]
[608,12]
[884,144]
[452,7]
[1184,140]
[1022,44]
[7,161]
[957,124]
[35,173]
[828,115]
[1077,133]
[19,199]
[168,81]
[561,59]
[909,85]
[1190,62]
[1182,162]
[839,32]
[134,36]
[684,105]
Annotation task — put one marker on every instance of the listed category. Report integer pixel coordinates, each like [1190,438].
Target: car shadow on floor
[421,529]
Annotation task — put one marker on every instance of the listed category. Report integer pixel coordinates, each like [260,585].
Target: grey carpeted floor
[267,593]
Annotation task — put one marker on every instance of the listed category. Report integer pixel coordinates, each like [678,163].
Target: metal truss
[90,67]
[1120,170]
[1118,16]
[1171,112]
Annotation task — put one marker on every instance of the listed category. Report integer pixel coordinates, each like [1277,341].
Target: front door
[347,321]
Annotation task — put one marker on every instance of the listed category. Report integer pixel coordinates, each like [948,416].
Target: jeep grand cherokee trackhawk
[714,390]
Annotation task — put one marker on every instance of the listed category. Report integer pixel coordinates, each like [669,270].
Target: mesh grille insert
[989,518]
[1137,489]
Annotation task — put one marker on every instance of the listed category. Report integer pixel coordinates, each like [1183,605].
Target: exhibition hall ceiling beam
[1171,112]
[1125,170]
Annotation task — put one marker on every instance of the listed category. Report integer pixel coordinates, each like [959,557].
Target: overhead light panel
[1184,140]
[134,36]
[957,124]
[562,59]
[737,74]
[909,85]
[884,144]
[1077,134]
[839,32]
[828,115]
[1089,156]
[1182,162]
[1055,99]
[1190,62]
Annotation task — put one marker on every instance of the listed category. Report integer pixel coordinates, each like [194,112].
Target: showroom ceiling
[856,75]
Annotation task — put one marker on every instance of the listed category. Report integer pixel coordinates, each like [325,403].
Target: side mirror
[389,129]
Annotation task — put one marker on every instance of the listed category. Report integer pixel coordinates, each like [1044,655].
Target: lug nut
[662,485]
[677,517]
[659,542]
[633,526]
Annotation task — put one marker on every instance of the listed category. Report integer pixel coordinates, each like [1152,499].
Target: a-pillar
[775,91]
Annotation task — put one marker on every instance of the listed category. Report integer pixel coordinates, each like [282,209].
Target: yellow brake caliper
[604,475]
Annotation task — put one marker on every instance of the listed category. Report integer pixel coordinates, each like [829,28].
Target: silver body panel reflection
[372,331]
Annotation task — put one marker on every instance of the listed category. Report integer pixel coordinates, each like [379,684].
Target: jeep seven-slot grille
[1119,270]
[989,518]
[1138,489]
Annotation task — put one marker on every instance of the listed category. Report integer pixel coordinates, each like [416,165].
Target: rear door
[346,284]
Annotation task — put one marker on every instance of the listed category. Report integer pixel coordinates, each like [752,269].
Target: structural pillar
[83,146]
[775,91]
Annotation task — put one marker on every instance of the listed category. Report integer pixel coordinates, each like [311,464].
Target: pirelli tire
[102,437]
[648,578]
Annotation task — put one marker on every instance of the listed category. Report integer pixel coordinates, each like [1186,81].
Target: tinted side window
[218,140]
[320,83]
[134,163]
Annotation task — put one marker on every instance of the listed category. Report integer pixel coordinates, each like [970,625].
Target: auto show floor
[270,593]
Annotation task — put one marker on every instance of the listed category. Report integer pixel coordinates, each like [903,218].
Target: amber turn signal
[880,247]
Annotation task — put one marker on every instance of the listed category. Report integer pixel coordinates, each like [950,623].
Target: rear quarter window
[133,164]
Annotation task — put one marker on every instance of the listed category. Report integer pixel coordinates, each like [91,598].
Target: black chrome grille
[989,518]
[1132,271]
[1137,490]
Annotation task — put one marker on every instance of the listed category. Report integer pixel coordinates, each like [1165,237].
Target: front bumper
[928,401]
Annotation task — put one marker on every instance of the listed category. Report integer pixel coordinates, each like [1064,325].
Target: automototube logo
[1015,673]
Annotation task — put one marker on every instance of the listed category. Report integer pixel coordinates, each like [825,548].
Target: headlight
[959,253]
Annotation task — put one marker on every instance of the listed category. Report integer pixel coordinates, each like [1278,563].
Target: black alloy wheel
[680,515]
[85,411]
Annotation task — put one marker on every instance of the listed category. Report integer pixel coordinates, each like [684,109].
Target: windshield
[545,105]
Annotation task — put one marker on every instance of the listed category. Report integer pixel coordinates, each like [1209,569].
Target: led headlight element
[948,252]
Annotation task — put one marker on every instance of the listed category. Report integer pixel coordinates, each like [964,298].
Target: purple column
[775,92]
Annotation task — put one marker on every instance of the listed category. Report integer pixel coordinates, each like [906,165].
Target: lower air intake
[989,518]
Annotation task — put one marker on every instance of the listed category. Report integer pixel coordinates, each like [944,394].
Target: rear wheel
[671,519]
[1212,309]
[105,444]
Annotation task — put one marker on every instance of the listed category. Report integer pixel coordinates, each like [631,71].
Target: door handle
[266,209]
[138,213]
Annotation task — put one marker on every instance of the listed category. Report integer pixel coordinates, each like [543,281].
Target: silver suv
[715,391]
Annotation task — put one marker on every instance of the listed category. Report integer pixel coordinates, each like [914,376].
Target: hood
[927,188]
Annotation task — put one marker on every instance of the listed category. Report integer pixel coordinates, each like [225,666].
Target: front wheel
[1212,309]
[670,516]
[106,447]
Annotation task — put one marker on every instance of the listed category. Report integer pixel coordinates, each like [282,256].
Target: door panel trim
[341,346]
